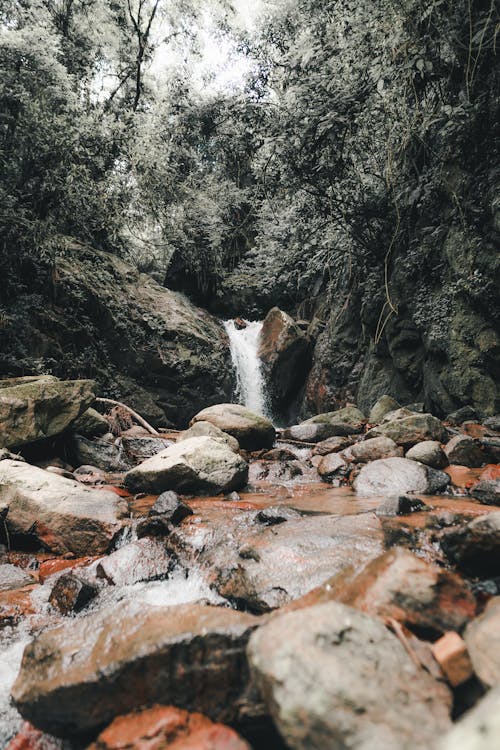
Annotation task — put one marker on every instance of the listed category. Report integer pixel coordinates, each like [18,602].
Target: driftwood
[137,417]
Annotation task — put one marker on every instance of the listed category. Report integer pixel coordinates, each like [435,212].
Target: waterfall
[244,343]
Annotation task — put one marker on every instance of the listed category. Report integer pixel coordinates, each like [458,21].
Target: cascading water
[250,385]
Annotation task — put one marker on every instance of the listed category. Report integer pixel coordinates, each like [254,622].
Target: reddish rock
[30,738]
[167,728]
[71,593]
[451,654]
[57,565]
[14,605]
[462,477]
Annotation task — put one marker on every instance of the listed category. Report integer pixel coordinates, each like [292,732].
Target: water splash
[12,643]
[250,385]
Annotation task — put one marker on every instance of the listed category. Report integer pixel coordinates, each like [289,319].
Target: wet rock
[402,586]
[13,577]
[285,352]
[279,454]
[332,445]
[143,560]
[383,406]
[16,605]
[401,505]
[482,637]
[164,727]
[233,497]
[65,516]
[34,408]
[198,465]
[58,565]
[332,465]
[491,449]
[275,471]
[371,450]
[100,453]
[317,433]
[169,506]
[410,430]
[350,414]
[91,424]
[462,415]
[465,451]
[450,652]
[479,729]
[252,431]
[493,423]
[487,491]
[127,657]
[207,429]
[399,475]
[430,453]
[276,514]
[71,593]
[329,673]
[137,449]
[475,547]
[30,738]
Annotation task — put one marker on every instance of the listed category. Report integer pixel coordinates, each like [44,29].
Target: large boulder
[395,475]
[252,431]
[34,408]
[430,453]
[207,429]
[148,347]
[285,352]
[412,429]
[112,662]
[197,465]
[334,677]
[62,513]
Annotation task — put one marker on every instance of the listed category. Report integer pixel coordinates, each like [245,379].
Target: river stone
[482,637]
[479,729]
[309,432]
[207,429]
[71,593]
[334,677]
[410,430]
[141,560]
[475,547]
[332,465]
[430,453]
[91,424]
[34,409]
[102,454]
[252,431]
[383,406]
[372,449]
[197,465]
[350,414]
[487,491]
[332,445]
[399,475]
[80,675]
[465,451]
[67,516]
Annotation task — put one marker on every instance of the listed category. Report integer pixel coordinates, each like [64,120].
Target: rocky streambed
[335,584]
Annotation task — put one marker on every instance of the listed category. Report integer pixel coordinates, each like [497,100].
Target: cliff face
[100,318]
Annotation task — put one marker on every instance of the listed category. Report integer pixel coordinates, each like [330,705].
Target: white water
[250,386]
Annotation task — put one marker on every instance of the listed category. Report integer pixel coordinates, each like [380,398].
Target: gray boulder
[32,409]
[65,515]
[371,450]
[465,451]
[196,465]
[252,431]
[333,677]
[411,429]
[91,424]
[399,475]
[350,414]
[487,491]
[207,429]
[475,547]
[430,453]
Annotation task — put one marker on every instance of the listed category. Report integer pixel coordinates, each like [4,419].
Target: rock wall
[99,318]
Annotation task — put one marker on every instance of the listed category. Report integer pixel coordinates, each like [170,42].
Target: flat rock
[197,465]
[142,560]
[372,449]
[475,547]
[207,429]
[66,516]
[479,729]
[164,727]
[430,453]
[334,677]
[79,676]
[32,409]
[411,429]
[252,431]
[399,475]
[482,637]
[465,451]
